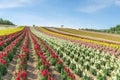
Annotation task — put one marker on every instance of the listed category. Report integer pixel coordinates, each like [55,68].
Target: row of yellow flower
[86,40]
[10,30]
[90,34]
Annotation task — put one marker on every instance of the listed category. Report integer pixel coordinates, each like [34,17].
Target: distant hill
[5,22]
[115,30]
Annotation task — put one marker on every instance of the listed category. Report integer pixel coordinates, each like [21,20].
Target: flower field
[101,45]
[92,34]
[37,53]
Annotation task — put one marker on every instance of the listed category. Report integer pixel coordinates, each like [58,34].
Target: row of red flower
[9,39]
[56,61]
[42,64]
[7,54]
[20,73]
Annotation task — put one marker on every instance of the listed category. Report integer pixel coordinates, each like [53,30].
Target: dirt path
[32,71]
[55,74]
[11,67]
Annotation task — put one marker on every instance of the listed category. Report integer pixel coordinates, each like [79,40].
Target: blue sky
[99,14]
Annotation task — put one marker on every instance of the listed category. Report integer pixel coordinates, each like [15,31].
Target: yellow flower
[10,30]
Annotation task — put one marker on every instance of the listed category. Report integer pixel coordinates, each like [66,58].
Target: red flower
[4,54]
[23,74]
[54,56]
[44,72]
[67,70]
[37,53]
[43,63]
[26,51]
[47,64]
[49,74]
[1,43]
[23,47]
[43,57]
[22,63]
[3,62]
[18,78]
[19,56]
[72,76]
[59,61]
[37,46]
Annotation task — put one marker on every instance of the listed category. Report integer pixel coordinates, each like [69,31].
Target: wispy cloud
[97,5]
[14,3]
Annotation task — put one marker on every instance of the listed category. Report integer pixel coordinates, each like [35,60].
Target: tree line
[115,30]
[5,22]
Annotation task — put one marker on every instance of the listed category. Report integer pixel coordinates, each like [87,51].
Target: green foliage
[72,66]
[100,77]
[79,72]
[68,62]
[85,77]
[7,22]
[63,75]
[76,59]
[93,71]
[59,67]
[86,67]
[97,66]
[3,69]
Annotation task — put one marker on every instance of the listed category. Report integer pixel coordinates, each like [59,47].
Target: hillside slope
[91,34]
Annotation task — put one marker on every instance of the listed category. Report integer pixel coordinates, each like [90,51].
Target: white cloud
[117,2]
[97,5]
[14,3]
[92,8]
